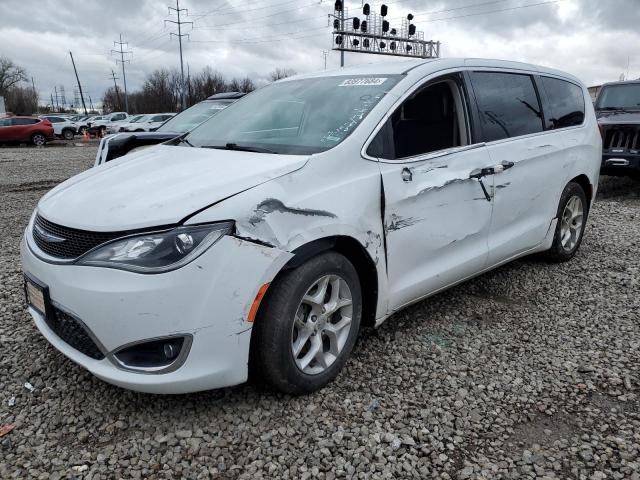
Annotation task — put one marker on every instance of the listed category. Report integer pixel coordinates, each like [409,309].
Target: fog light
[170,351]
[155,355]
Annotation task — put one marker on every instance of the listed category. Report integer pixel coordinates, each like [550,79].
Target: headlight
[157,252]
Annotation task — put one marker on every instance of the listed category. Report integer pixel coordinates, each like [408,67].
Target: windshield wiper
[181,139]
[239,148]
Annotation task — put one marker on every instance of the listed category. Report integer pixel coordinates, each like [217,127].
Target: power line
[180,35]
[122,61]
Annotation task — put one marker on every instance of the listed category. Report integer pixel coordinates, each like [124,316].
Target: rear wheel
[307,325]
[38,139]
[572,218]
[68,134]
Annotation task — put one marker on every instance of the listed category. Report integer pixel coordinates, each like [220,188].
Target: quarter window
[566,102]
[508,105]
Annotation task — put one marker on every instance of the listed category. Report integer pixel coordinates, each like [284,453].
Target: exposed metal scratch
[397,222]
[271,205]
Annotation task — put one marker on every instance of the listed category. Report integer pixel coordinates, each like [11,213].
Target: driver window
[429,120]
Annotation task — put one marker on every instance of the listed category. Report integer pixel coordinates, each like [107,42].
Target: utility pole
[325,53]
[57,104]
[180,35]
[342,30]
[78,79]
[115,85]
[90,103]
[52,101]
[124,77]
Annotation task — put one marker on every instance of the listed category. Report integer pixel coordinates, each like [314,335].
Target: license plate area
[37,296]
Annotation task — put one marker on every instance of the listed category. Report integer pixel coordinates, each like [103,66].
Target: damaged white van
[262,241]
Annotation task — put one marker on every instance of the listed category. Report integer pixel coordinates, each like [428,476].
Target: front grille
[73,332]
[67,243]
[620,137]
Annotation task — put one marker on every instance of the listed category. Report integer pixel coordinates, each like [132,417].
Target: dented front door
[436,221]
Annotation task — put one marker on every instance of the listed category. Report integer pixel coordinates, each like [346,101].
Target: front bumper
[620,163]
[208,299]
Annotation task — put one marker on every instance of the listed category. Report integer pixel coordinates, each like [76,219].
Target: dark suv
[618,112]
[114,146]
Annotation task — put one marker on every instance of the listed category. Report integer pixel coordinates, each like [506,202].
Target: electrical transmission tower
[177,9]
[122,61]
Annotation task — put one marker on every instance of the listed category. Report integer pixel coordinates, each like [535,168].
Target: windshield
[137,118]
[619,97]
[193,116]
[295,116]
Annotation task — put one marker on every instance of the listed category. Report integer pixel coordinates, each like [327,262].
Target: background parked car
[63,127]
[26,130]
[131,122]
[81,122]
[618,111]
[118,145]
[154,121]
[108,123]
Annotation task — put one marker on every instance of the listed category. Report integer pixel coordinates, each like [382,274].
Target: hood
[160,185]
[618,117]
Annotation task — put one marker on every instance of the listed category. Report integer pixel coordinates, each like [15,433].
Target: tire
[38,139]
[68,134]
[285,320]
[564,248]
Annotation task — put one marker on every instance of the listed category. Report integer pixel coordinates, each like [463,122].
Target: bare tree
[10,75]
[280,73]
[21,100]
[245,85]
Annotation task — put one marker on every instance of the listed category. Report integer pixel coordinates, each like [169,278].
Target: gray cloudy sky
[590,38]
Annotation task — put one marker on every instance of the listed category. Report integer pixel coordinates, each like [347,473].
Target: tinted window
[5,122]
[23,121]
[507,104]
[566,102]
[426,122]
[55,119]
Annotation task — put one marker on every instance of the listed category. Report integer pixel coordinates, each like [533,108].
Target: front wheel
[307,325]
[67,134]
[572,218]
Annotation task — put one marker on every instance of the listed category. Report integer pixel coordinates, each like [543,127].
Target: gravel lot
[530,371]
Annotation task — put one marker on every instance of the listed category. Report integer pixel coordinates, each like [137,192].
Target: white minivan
[260,242]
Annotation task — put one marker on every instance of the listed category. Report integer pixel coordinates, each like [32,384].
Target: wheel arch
[586,186]
[356,253]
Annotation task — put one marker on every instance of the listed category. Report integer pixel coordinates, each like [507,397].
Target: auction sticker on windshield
[362,82]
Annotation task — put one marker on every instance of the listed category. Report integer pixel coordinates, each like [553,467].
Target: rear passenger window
[566,102]
[507,104]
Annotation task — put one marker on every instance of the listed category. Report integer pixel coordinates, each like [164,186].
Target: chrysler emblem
[46,236]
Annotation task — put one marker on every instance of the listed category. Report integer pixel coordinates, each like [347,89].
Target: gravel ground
[530,371]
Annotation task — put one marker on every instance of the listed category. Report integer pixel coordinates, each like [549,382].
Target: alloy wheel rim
[322,324]
[38,140]
[571,223]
